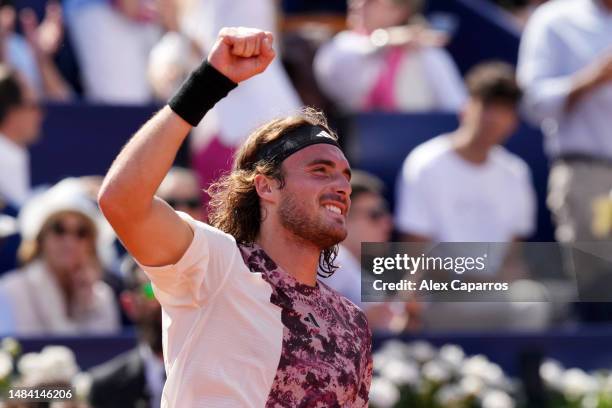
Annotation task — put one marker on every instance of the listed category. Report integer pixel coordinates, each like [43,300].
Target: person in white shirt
[58,290]
[466,187]
[565,68]
[112,40]
[388,60]
[20,123]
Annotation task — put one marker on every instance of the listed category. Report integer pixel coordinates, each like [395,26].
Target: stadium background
[81,138]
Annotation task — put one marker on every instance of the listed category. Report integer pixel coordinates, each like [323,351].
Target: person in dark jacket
[135,378]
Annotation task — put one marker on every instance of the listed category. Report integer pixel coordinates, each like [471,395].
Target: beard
[309,227]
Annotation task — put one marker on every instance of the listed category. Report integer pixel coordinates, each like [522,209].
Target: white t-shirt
[238,331]
[446,198]
[347,278]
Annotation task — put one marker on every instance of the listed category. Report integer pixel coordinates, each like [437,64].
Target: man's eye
[319,170]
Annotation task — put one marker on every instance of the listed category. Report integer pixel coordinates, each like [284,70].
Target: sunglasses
[373,214]
[193,203]
[81,232]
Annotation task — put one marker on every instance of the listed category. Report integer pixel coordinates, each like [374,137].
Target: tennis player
[246,323]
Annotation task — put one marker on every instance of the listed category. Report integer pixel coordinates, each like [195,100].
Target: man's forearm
[588,79]
[143,163]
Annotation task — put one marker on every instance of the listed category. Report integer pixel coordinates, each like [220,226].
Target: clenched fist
[240,53]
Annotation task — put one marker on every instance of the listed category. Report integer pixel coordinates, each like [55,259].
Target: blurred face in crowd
[369,15]
[369,220]
[144,310]
[182,192]
[493,122]
[67,244]
[24,121]
[314,201]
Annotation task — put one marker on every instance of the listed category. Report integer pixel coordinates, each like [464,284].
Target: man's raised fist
[240,53]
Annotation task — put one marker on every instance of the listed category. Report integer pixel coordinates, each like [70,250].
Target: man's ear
[266,187]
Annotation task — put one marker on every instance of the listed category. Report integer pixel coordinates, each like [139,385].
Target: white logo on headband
[324,134]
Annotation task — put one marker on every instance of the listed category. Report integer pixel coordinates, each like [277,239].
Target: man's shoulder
[354,312]
[210,236]
[427,155]
[556,12]
[510,163]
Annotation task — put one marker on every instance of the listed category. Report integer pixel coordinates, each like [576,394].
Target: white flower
[475,366]
[497,399]
[59,364]
[449,394]
[54,364]
[436,372]
[383,394]
[479,366]
[28,367]
[401,372]
[576,383]
[471,385]
[6,365]
[422,351]
[551,372]
[395,348]
[82,385]
[452,355]
[11,346]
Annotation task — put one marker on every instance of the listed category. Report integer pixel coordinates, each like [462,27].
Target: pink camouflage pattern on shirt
[326,358]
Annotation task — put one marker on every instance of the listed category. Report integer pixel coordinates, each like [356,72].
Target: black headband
[294,140]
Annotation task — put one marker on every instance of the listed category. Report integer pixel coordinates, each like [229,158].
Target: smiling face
[315,200]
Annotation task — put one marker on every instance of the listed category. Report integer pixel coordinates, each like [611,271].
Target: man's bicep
[159,238]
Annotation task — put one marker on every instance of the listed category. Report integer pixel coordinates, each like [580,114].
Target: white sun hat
[69,195]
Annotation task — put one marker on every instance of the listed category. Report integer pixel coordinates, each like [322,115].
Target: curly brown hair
[234,203]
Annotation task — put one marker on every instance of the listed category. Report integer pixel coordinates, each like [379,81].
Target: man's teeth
[333,208]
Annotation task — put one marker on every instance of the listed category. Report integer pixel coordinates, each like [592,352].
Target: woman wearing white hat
[59,290]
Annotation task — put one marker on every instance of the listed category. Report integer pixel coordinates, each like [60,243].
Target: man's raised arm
[148,227]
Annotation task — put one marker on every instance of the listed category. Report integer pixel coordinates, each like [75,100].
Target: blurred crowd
[70,275]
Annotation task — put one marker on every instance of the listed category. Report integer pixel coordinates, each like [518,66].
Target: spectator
[369,221]
[566,72]
[58,290]
[465,187]
[112,40]
[568,90]
[180,189]
[137,377]
[20,123]
[388,61]
[33,53]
